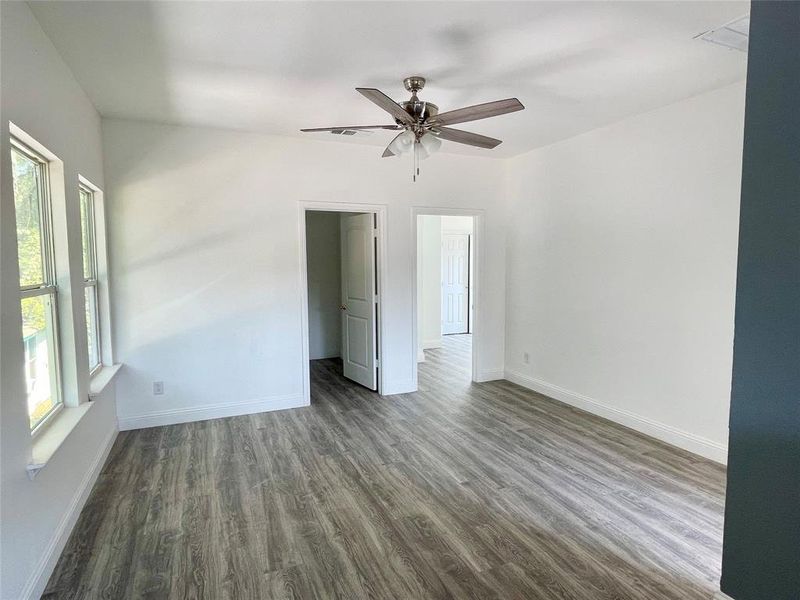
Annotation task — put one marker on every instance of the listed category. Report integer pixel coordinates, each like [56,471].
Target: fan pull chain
[414,169]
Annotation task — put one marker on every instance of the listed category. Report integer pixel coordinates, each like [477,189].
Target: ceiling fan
[423,126]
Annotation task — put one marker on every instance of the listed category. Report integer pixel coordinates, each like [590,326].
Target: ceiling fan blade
[479,111]
[387,104]
[395,127]
[466,137]
[387,153]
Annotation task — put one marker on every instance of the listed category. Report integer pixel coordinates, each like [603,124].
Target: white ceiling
[277,67]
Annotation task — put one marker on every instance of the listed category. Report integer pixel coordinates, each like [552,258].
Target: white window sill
[47,443]
[101,379]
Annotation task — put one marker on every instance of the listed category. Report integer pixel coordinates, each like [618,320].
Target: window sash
[93,326]
[90,279]
[45,214]
[48,286]
[30,292]
[89,244]
[54,359]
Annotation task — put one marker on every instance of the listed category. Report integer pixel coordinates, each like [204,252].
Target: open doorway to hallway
[445,302]
[342,277]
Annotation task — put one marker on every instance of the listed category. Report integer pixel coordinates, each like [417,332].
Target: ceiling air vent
[347,132]
[731,35]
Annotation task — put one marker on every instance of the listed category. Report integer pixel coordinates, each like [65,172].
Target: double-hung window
[37,280]
[90,285]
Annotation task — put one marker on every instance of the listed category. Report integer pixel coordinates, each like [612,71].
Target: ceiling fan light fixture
[429,143]
[402,143]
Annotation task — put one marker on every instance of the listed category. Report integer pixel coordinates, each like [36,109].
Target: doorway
[341,265]
[445,295]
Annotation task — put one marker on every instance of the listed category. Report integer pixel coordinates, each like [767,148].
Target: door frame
[379,210]
[478,217]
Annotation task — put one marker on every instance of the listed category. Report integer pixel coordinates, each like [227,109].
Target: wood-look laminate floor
[460,490]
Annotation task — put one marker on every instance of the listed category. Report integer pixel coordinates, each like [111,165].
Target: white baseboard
[491,375]
[212,411]
[41,574]
[420,356]
[720,595]
[666,433]
[429,344]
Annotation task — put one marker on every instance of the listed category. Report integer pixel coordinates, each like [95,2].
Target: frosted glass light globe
[402,143]
[430,144]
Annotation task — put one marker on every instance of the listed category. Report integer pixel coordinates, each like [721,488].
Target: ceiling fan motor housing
[415,107]
[419,109]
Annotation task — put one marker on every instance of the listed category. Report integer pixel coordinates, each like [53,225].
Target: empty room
[400,300]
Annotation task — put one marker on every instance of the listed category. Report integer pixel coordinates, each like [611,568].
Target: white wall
[621,269]
[323,255]
[205,242]
[40,96]
[429,281]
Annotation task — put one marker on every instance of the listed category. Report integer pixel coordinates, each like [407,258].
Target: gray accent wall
[761,557]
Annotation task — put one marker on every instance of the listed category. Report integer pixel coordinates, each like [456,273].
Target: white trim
[383,276]
[490,375]
[420,355]
[430,344]
[31,142]
[212,411]
[101,378]
[44,568]
[478,217]
[47,443]
[666,433]
[720,595]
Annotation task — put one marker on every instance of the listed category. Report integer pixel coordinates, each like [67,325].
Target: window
[37,280]
[90,287]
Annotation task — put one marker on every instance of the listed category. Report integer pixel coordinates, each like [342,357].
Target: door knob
[343,307]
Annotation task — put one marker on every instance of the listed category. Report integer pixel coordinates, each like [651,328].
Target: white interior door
[359,299]
[455,283]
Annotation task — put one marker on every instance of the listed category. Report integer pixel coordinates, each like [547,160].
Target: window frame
[48,285]
[93,280]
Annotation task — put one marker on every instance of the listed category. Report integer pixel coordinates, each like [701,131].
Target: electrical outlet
[158,388]
[526,358]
